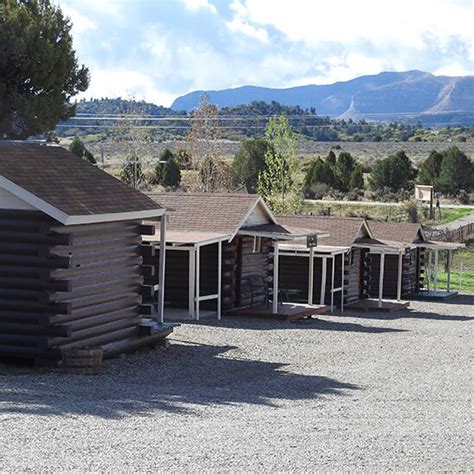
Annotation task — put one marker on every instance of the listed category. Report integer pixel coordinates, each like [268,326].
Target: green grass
[467,285]
[449,215]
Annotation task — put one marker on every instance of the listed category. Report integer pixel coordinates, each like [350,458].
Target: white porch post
[198,271]
[449,270]
[219,279]
[382,270]
[323,279]
[275,277]
[192,282]
[435,282]
[332,282]
[311,276]
[399,276]
[342,281]
[161,270]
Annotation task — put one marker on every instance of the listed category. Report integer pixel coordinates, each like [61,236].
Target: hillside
[408,96]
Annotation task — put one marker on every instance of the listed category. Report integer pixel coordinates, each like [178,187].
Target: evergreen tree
[430,169]
[357,178]
[394,172]
[165,157]
[343,169]
[39,71]
[331,158]
[319,171]
[171,175]
[78,148]
[457,172]
[248,163]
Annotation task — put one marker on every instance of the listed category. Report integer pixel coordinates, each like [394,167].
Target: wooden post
[198,271]
[449,270]
[342,281]
[311,276]
[332,282]
[399,276]
[435,280]
[162,267]
[323,280]
[192,282]
[219,279]
[382,270]
[275,277]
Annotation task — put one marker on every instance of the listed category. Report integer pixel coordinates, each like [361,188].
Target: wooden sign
[311,241]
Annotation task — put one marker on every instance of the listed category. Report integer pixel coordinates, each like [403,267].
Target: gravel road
[362,391]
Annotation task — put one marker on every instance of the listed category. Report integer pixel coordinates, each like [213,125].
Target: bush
[410,209]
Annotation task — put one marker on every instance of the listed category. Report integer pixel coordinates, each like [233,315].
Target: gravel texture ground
[364,391]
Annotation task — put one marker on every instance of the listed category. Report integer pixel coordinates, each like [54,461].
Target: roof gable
[68,189]
[224,213]
[404,232]
[343,231]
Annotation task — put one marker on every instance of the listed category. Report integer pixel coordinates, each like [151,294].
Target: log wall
[63,287]
[411,274]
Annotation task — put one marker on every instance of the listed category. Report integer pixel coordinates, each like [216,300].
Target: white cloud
[240,23]
[196,5]
[405,22]
[454,69]
[126,83]
[80,23]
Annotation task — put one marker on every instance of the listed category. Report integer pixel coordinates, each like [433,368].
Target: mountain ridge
[383,96]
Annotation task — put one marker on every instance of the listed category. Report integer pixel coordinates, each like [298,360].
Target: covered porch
[436,254]
[377,251]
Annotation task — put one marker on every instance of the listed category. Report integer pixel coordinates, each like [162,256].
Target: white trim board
[65,219]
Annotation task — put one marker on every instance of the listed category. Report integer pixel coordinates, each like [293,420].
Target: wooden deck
[433,295]
[373,305]
[286,311]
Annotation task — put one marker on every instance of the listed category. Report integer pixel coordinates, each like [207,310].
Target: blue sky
[159,49]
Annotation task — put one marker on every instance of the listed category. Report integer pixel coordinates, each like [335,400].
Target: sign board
[423,193]
[312,241]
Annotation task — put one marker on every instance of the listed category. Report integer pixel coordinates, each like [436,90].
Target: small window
[257,245]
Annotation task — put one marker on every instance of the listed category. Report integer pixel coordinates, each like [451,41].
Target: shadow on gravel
[260,324]
[177,380]
[462,299]
[412,315]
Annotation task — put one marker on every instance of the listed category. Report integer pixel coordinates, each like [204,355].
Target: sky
[157,50]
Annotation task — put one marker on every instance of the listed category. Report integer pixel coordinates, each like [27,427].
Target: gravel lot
[355,391]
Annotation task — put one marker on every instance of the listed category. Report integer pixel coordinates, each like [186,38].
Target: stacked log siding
[68,286]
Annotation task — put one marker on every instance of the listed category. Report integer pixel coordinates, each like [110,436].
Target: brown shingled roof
[201,212]
[404,232]
[342,231]
[67,182]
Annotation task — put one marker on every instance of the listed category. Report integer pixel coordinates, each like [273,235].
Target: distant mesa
[400,96]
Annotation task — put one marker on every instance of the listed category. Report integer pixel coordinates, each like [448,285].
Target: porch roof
[382,246]
[318,250]
[174,237]
[436,245]
[281,232]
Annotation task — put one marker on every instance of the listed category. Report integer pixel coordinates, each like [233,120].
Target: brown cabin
[71,272]
[419,264]
[216,246]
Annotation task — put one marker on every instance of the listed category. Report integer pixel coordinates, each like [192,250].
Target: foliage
[171,176]
[394,172]
[184,159]
[410,209]
[357,178]
[276,183]
[132,173]
[343,170]
[203,141]
[248,163]
[39,70]
[78,148]
[331,158]
[320,171]
[457,172]
[167,172]
[430,168]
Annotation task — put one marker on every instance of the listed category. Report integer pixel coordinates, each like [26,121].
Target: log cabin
[341,271]
[218,246]
[419,265]
[71,264]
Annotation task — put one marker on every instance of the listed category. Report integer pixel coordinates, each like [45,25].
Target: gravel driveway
[352,391]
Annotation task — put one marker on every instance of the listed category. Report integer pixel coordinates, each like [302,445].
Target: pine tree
[39,71]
